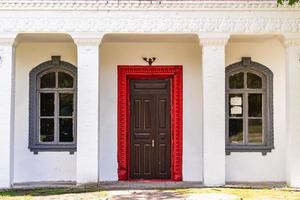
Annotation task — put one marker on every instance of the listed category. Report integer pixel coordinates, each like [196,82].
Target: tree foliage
[290,2]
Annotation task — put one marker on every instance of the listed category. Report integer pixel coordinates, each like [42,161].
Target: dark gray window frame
[247,65]
[55,64]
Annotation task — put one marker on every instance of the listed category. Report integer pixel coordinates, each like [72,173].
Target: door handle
[152,143]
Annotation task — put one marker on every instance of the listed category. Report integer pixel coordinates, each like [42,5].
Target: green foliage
[290,2]
[25,194]
[248,193]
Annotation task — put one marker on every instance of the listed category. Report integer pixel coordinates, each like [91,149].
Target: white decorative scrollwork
[156,23]
[142,5]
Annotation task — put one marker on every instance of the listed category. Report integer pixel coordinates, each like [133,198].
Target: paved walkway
[164,195]
[148,185]
[138,195]
[127,190]
[143,194]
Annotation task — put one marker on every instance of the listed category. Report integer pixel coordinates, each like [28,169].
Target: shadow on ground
[149,195]
[48,191]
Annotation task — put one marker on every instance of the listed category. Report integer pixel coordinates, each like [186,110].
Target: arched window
[52,120]
[249,107]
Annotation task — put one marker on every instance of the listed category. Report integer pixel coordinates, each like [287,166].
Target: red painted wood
[125,73]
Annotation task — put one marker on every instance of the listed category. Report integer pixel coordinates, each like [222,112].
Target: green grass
[97,193]
[19,194]
[248,194]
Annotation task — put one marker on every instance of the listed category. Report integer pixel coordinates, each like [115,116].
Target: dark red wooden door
[150,147]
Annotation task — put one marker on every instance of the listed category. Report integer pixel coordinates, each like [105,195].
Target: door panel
[163,153]
[148,159]
[137,159]
[162,156]
[137,114]
[150,129]
[162,109]
[148,109]
[141,136]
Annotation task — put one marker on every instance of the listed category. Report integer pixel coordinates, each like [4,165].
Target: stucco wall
[46,166]
[57,166]
[186,54]
[251,167]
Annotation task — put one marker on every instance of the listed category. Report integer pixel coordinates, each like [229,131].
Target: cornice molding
[87,39]
[213,42]
[107,22]
[143,5]
[214,39]
[8,40]
[292,42]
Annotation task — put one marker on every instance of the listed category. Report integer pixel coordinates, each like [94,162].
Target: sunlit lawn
[249,194]
[79,193]
[97,193]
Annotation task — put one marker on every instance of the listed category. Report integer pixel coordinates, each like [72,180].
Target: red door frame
[125,73]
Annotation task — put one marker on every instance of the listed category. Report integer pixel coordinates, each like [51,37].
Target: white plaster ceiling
[116,38]
[151,38]
[252,38]
[139,38]
[44,37]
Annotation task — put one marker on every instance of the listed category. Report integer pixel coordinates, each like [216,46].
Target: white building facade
[219,104]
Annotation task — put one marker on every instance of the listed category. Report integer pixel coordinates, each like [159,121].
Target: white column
[87,109]
[213,83]
[7,70]
[293,110]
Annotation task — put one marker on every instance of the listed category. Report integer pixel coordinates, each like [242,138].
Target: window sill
[249,148]
[53,148]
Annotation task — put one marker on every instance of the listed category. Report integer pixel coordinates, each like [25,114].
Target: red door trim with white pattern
[125,73]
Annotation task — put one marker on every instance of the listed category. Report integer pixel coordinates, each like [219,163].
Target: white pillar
[7,70]
[293,110]
[213,83]
[87,109]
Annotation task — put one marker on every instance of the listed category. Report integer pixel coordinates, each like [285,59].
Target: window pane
[236,131]
[235,105]
[47,130]
[66,104]
[255,131]
[253,81]
[66,130]
[255,105]
[65,80]
[47,104]
[48,80]
[236,81]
